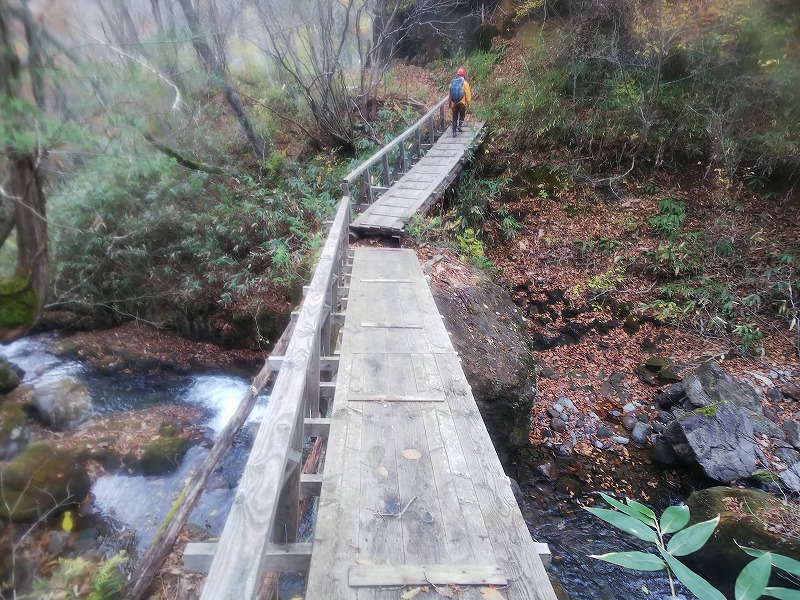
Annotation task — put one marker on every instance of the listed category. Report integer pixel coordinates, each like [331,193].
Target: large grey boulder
[63,404]
[719,441]
[710,385]
[489,334]
[717,417]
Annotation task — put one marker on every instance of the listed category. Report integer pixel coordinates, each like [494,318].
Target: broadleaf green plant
[753,580]
[636,519]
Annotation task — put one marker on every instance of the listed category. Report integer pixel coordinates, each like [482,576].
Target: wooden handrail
[271,481]
[381,156]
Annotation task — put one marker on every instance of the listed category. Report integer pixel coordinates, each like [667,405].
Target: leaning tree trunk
[22,296]
[215,71]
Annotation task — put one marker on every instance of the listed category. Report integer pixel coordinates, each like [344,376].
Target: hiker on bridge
[460,97]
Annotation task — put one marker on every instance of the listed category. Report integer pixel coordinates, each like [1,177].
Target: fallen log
[161,546]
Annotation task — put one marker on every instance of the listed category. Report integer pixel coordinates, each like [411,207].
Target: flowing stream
[131,508]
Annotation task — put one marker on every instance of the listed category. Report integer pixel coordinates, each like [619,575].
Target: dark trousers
[459,112]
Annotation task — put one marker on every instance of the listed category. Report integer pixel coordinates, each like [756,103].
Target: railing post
[441,118]
[387,174]
[403,163]
[431,132]
[418,143]
[368,189]
[287,519]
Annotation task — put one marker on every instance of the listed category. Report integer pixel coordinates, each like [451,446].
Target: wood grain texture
[239,564]
[410,483]
[421,186]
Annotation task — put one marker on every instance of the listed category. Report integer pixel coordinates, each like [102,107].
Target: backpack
[457,90]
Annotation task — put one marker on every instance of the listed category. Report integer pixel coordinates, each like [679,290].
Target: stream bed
[130,508]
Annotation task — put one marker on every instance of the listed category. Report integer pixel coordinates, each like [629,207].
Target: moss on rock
[163,455]
[43,480]
[19,305]
[748,517]
[14,433]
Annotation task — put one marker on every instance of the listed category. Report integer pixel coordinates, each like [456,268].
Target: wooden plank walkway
[425,182]
[413,492]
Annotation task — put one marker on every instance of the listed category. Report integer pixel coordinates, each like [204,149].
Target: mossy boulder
[42,481]
[484,322]
[10,376]
[163,455]
[18,308]
[748,517]
[64,403]
[14,432]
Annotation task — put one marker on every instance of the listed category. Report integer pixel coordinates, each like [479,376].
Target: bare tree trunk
[32,263]
[25,187]
[8,219]
[214,70]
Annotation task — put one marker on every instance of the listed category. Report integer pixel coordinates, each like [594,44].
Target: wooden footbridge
[413,501]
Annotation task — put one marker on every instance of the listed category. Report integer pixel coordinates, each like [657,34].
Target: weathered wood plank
[237,569]
[198,556]
[430,574]
[422,185]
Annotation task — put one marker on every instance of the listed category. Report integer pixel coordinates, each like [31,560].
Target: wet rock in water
[14,432]
[484,321]
[10,376]
[748,517]
[659,427]
[640,433]
[163,455]
[63,404]
[41,479]
[558,425]
[663,453]
[792,430]
[547,469]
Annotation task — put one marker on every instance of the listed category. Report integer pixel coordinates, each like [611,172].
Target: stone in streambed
[10,376]
[640,433]
[747,518]
[663,453]
[63,404]
[14,432]
[792,430]
[629,422]
[41,479]
[620,439]
[163,455]
[604,432]
[558,425]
